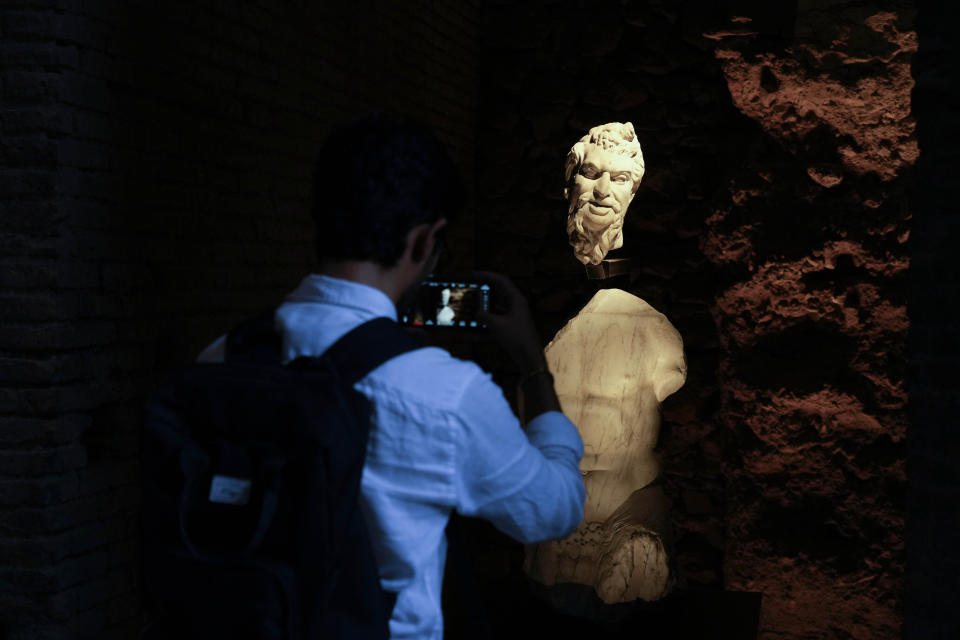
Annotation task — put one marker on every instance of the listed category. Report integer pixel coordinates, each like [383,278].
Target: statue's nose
[602,187]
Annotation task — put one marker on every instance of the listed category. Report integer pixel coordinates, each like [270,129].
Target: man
[602,173]
[444,437]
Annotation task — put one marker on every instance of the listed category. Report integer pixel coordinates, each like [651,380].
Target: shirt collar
[344,293]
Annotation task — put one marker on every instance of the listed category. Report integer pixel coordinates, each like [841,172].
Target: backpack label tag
[230,490]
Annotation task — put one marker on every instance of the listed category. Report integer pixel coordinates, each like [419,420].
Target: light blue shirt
[443,438]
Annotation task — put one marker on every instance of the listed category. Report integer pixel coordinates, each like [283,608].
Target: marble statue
[445,314]
[613,364]
[602,173]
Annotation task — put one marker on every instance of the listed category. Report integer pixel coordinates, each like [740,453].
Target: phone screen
[448,304]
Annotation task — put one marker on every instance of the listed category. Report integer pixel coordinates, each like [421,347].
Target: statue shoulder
[615,319]
[614,310]
[616,302]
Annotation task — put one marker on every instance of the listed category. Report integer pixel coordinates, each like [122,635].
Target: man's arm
[536,392]
[527,481]
[511,325]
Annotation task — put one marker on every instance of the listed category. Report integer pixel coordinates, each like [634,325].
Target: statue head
[602,173]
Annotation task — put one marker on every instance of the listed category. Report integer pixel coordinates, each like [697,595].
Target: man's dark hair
[377,178]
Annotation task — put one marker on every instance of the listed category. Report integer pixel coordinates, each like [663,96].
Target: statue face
[599,195]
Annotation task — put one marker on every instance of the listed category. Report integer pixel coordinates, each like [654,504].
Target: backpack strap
[366,347]
[355,354]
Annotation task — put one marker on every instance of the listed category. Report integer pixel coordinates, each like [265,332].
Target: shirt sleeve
[526,482]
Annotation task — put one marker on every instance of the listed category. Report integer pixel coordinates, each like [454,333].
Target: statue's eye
[590,173]
[620,179]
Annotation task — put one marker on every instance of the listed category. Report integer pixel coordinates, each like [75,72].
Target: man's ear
[422,240]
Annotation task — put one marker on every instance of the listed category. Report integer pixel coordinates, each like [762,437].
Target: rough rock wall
[772,229]
[814,326]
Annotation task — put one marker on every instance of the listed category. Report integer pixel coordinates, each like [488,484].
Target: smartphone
[448,304]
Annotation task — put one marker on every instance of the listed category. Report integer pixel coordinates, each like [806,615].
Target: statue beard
[591,246]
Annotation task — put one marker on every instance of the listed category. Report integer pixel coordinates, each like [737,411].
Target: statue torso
[613,363]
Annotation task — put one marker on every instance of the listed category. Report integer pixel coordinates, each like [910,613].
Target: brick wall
[154,176]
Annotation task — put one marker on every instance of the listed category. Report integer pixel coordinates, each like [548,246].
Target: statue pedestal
[608,268]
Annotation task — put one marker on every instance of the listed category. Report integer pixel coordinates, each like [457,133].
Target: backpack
[251,479]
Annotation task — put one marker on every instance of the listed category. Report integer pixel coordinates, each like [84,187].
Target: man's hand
[511,323]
